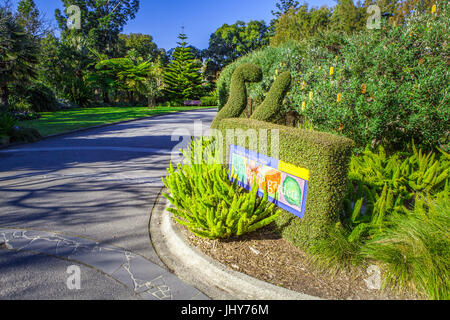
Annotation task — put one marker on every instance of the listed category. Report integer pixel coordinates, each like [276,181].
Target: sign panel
[287,185]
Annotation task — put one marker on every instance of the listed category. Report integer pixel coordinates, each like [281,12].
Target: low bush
[7,124]
[25,135]
[209,101]
[210,205]
[396,213]
[34,98]
[25,115]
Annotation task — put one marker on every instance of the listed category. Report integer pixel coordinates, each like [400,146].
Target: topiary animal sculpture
[237,101]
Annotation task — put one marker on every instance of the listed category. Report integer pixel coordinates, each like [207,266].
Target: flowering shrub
[376,87]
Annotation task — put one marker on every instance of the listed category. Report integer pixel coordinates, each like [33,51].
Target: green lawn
[68,120]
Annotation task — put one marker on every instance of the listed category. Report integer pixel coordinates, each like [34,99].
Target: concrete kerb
[98,127]
[206,274]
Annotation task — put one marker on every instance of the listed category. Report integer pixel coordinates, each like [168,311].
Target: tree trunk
[130,97]
[151,102]
[4,98]
[106,97]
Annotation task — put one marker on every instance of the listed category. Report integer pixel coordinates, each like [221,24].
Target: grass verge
[69,120]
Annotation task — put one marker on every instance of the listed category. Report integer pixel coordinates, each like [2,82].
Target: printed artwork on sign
[287,185]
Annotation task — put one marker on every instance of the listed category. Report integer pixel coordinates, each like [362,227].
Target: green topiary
[326,156]
[237,101]
[274,99]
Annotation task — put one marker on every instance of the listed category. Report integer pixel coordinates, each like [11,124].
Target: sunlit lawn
[68,120]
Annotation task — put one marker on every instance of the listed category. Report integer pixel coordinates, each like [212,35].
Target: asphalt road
[98,184]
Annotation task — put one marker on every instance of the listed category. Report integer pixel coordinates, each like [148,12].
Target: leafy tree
[154,83]
[63,66]
[301,23]
[102,22]
[230,42]
[28,16]
[405,8]
[284,6]
[142,43]
[348,17]
[182,77]
[18,56]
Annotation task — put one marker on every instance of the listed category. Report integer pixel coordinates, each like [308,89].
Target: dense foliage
[396,213]
[376,87]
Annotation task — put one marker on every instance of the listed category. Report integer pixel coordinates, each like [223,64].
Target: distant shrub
[209,101]
[36,97]
[7,124]
[41,98]
[25,135]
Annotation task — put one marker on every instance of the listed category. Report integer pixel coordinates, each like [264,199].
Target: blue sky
[163,18]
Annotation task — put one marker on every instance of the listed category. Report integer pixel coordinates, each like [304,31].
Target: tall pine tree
[182,78]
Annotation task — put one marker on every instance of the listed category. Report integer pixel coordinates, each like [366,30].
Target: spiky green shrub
[7,123]
[274,99]
[396,212]
[237,100]
[208,204]
[381,186]
[415,251]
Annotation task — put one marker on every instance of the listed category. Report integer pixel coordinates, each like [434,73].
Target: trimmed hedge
[327,158]
[237,101]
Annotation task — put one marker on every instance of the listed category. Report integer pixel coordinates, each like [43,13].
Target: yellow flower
[433,9]
[339,97]
[331,71]
[364,89]
[303,106]
[276,72]
[303,85]
[311,95]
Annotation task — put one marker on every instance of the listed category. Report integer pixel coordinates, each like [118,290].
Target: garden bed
[268,257]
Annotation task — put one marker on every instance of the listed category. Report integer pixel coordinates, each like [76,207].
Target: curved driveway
[98,186]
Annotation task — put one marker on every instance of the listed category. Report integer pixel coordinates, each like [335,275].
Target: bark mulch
[266,256]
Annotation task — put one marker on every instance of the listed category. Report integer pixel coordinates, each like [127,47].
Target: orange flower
[303,85]
[364,89]
[339,97]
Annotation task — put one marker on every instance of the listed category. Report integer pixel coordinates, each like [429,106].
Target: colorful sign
[286,184]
